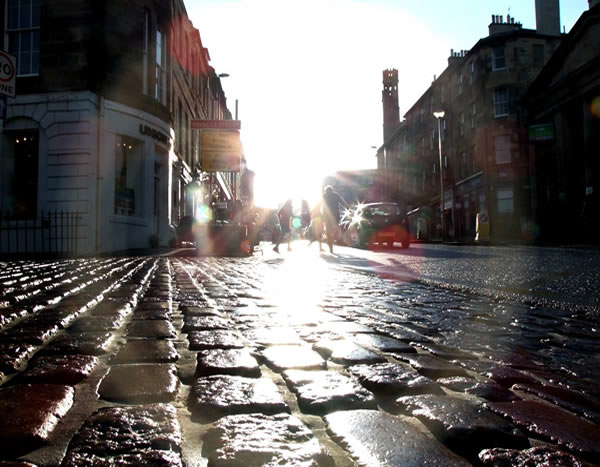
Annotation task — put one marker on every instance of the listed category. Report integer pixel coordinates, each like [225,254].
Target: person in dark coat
[285,215]
[331,214]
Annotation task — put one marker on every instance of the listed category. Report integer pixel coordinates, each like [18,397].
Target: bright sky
[307,74]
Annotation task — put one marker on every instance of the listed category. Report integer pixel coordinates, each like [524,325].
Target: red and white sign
[8,74]
[216,124]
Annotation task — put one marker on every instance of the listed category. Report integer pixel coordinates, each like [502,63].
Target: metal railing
[52,232]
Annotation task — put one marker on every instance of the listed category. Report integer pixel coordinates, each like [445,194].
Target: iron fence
[52,232]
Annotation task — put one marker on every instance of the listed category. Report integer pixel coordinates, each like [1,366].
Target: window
[461,124]
[460,84]
[501,102]
[179,123]
[19,173]
[471,76]
[502,149]
[128,175]
[186,139]
[498,58]
[145,52]
[505,200]
[160,74]
[473,114]
[23,30]
[538,54]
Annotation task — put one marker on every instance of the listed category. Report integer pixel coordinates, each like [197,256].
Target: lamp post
[439,115]
[226,75]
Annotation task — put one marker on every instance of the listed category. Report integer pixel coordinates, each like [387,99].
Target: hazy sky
[308,74]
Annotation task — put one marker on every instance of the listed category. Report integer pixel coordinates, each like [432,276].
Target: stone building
[484,157]
[563,106]
[100,125]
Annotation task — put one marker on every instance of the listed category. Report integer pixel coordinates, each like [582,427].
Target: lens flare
[296,223]
[595,107]
[246,247]
[204,214]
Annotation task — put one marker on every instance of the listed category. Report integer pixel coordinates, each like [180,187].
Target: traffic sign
[8,74]
[3,107]
[216,124]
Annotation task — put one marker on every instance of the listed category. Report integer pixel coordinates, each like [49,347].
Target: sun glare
[310,103]
[300,283]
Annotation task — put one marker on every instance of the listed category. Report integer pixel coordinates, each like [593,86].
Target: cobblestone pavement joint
[288,360]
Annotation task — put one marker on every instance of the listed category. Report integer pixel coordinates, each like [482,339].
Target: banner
[220,151]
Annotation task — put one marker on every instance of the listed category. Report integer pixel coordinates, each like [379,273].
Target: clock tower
[389,97]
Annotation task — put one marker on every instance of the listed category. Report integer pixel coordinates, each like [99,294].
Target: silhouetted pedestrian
[331,214]
[315,229]
[284,215]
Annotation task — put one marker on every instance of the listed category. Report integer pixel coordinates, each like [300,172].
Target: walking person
[331,214]
[316,226]
[285,215]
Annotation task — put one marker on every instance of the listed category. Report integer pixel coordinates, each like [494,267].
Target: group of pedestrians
[324,217]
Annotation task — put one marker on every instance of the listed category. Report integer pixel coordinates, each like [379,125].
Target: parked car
[381,223]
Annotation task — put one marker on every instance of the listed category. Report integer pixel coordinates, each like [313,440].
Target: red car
[381,223]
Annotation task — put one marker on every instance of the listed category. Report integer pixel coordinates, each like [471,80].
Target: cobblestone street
[291,359]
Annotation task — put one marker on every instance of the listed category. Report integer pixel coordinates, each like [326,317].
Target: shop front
[137,173]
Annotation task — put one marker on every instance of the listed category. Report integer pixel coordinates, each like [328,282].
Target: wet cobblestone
[293,359]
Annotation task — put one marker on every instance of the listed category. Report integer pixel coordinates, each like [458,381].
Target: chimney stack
[498,25]
[547,17]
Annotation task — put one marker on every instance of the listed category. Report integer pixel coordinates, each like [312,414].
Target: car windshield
[383,210]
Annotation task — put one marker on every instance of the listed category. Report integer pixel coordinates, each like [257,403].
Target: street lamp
[439,115]
[226,75]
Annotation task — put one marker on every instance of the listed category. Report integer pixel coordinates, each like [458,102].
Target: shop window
[23,31]
[128,176]
[19,173]
[504,197]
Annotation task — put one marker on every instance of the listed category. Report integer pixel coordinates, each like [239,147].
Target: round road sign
[7,67]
